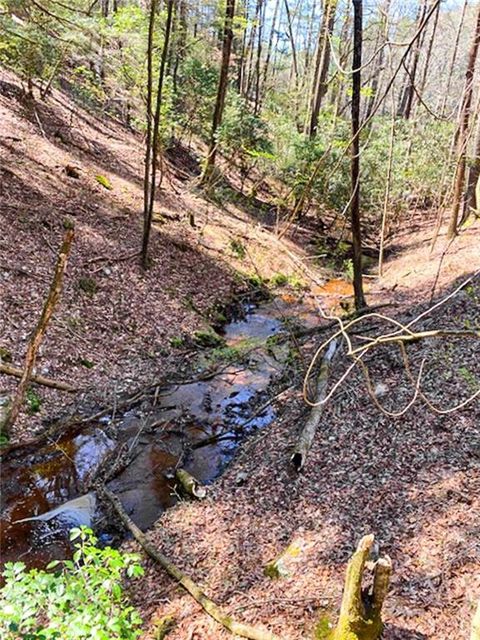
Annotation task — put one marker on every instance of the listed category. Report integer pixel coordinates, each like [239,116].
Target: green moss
[208,338]
[238,248]
[163,627]
[88,286]
[5,354]
[279,280]
[105,182]
[323,628]
[86,363]
[177,342]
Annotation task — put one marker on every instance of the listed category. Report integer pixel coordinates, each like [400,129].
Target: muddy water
[171,429]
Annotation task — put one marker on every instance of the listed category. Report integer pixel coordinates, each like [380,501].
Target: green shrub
[74,599]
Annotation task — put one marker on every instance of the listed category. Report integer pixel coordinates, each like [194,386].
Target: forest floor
[412,480]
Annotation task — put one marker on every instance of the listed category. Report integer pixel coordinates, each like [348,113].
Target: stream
[164,432]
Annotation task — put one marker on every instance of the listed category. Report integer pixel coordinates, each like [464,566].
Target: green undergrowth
[73,599]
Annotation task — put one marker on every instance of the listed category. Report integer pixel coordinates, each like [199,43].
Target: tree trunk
[269,48]
[322,63]
[408,95]
[454,57]
[291,37]
[471,202]
[39,331]
[360,613]
[355,150]
[256,107]
[222,89]
[378,71]
[426,67]
[154,133]
[462,132]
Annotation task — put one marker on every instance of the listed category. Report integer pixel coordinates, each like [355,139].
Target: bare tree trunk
[454,57]
[322,63]
[355,150]
[408,94]
[148,139]
[426,67]
[222,89]
[269,48]
[148,205]
[242,62]
[378,71]
[462,133]
[360,613]
[471,202]
[292,42]
[39,331]
[256,107]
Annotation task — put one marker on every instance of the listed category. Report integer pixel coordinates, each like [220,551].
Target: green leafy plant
[73,599]
[238,248]
[33,401]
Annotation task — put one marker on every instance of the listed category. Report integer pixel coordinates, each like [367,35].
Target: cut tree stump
[360,613]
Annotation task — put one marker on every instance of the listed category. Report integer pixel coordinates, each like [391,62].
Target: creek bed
[165,433]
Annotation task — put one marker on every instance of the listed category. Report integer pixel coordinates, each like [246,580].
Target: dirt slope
[114,325]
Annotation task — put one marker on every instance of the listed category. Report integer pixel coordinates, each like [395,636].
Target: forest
[239,319]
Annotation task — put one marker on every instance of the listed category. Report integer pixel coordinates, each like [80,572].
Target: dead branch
[401,335]
[213,610]
[40,329]
[307,434]
[8,370]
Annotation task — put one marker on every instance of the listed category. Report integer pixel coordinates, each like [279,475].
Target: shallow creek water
[165,431]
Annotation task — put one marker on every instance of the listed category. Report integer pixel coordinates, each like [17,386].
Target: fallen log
[307,434]
[360,613]
[8,370]
[213,610]
[190,485]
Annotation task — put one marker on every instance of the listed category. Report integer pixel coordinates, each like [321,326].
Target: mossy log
[475,633]
[190,485]
[307,434]
[213,610]
[360,613]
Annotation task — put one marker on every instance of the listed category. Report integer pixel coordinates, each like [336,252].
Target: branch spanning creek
[175,427]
